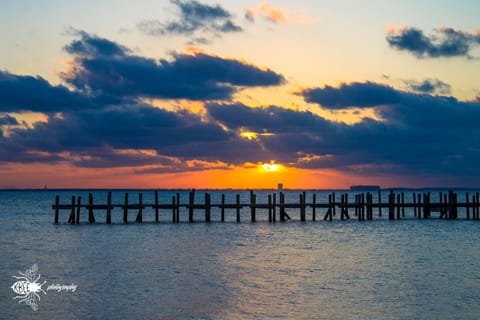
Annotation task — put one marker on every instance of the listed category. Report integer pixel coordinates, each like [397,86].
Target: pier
[339,206]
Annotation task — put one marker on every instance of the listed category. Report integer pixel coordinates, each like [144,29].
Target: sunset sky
[239,94]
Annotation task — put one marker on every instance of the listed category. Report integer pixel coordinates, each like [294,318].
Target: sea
[380,269]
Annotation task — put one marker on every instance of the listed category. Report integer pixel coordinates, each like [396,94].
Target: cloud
[429,86]
[269,12]
[93,46]
[27,93]
[194,17]
[419,134]
[104,120]
[445,42]
[90,138]
[354,95]
[276,15]
[114,72]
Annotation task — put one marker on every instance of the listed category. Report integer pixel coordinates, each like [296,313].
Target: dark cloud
[27,93]
[134,127]
[196,77]
[430,86]
[194,17]
[93,46]
[354,95]
[419,134]
[92,136]
[446,42]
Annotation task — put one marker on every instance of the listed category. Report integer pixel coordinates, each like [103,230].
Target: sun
[270,167]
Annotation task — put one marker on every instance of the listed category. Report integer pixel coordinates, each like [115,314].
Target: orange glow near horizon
[248,176]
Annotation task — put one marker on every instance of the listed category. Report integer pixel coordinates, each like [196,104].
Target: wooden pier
[362,207]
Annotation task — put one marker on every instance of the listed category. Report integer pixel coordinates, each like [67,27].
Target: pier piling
[421,206]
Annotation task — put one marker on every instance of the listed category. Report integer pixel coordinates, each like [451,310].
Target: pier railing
[362,207]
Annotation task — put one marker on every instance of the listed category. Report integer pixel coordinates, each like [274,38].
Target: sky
[239,94]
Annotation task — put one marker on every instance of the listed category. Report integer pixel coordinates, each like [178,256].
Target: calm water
[379,269]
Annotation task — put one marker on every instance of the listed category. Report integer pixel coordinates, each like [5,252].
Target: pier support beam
[57,209]
[125,209]
[109,208]
[139,218]
[71,218]
[253,201]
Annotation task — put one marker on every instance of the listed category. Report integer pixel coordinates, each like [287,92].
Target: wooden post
[191,200]
[253,199]
[467,196]
[302,207]
[443,206]
[362,206]
[359,206]
[314,208]
[329,210]
[398,206]
[282,207]
[426,205]
[223,208]
[71,219]
[109,208]
[342,209]
[419,209]
[79,200]
[453,204]
[178,208]
[446,206]
[363,197]
[356,202]
[334,207]
[403,204]
[174,209]
[57,204]
[477,205]
[345,208]
[365,205]
[91,217]
[207,207]
[414,204]
[125,209]
[371,206]
[429,204]
[379,203]
[391,205]
[473,207]
[238,207]
[269,208]
[455,200]
[274,213]
[156,206]
[140,210]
